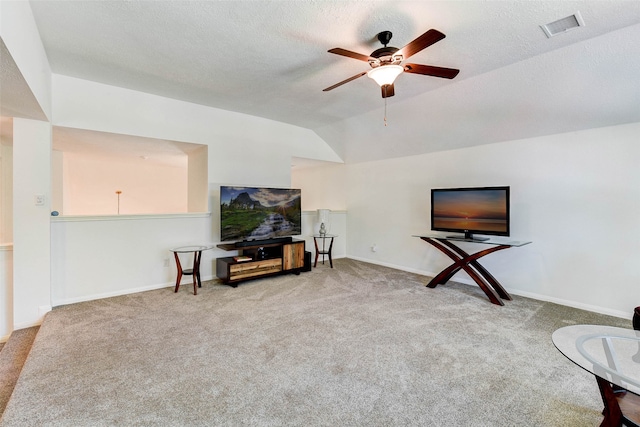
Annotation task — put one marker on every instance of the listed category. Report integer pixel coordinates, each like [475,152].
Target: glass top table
[462,260]
[195,248]
[493,240]
[195,270]
[610,353]
[322,249]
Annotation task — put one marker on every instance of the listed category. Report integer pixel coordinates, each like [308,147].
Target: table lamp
[323,219]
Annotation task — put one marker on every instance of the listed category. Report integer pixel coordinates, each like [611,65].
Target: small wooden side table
[195,271]
[323,250]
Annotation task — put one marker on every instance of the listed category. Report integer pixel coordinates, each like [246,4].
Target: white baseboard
[574,304]
[42,311]
[26,325]
[532,295]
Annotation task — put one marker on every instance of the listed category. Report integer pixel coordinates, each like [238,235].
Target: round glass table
[322,248]
[612,355]
[195,270]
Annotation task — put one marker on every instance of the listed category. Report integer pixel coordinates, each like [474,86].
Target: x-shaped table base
[469,263]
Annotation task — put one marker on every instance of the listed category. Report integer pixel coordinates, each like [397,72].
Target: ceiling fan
[385,62]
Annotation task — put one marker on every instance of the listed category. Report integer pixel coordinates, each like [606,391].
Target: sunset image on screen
[471,210]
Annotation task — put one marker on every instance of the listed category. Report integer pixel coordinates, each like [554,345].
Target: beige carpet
[12,358]
[357,345]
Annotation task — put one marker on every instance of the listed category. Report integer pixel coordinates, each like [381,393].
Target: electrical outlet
[166,262]
[39,198]
[374,248]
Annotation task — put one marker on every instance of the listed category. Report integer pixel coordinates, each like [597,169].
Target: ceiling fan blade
[344,81]
[430,70]
[387,90]
[424,41]
[349,54]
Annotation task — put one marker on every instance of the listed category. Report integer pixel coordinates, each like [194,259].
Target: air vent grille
[563,25]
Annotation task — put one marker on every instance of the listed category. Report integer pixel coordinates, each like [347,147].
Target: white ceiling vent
[563,25]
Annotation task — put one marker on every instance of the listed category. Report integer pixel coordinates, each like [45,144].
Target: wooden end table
[322,249]
[195,270]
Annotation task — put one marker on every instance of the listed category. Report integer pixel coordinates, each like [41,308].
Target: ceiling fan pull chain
[385,111]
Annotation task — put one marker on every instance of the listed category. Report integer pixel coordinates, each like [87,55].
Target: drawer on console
[253,265]
[255,268]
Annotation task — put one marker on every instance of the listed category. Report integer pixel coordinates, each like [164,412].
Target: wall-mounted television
[254,213]
[474,210]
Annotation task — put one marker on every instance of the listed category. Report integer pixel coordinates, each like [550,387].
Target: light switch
[39,199]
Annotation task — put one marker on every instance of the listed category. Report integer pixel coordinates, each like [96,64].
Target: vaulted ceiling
[269,59]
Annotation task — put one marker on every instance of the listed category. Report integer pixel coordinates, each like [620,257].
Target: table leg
[330,248]
[473,261]
[197,283]
[175,254]
[315,242]
[468,262]
[612,413]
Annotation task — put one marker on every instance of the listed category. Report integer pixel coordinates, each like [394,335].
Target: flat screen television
[477,210]
[253,213]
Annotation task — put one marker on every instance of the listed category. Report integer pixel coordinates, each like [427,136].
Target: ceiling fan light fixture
[385,74]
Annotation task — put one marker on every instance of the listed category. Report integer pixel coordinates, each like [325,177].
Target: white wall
[6,291]
[97,257]
[90,183]
[241,147]
[575,195]
[57,181]
[31,227]
[325,186]
[197,198]
[6,237]
[6,193]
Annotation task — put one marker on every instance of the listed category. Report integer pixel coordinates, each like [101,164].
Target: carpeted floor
[13,354]
[357,345]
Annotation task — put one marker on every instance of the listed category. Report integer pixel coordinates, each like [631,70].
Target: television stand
[260,259]
[469,263]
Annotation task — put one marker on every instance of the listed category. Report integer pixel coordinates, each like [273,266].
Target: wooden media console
[260,260]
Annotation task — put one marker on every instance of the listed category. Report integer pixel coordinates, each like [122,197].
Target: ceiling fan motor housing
[385,55]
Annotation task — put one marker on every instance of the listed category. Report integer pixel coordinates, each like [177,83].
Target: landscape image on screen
[471,210]
[248,213]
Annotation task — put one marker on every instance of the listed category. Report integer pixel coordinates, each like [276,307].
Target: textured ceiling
[16,99]
[269,59]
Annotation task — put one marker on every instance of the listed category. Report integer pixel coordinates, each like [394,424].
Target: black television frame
[273,237]
[469,231]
